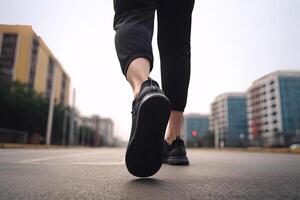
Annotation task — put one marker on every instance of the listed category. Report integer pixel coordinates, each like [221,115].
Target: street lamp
[51,108]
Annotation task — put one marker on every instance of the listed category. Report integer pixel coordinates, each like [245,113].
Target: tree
[23,109]
[209,139]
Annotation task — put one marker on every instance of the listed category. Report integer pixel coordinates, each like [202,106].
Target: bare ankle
[174,126]
[136,91]
[138,71]
[169,140]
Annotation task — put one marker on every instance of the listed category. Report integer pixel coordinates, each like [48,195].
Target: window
[7,57]
[50,77]
[63,88]
[34,55]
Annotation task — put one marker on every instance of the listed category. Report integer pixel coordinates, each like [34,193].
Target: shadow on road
[145,182]
[143,187]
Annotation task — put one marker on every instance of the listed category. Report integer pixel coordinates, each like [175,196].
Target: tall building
[274,109]
[195,126]
[24,57]
[100,128]
[106,128]
[229,120]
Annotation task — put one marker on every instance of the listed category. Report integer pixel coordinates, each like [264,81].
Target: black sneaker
[175,154]
[150,115]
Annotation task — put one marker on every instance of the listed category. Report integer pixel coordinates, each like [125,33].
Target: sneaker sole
[144,154]
[177,160]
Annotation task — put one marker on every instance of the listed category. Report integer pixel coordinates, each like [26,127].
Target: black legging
[134,21]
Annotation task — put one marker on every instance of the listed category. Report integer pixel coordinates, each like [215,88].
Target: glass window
[7,57]
[34,56]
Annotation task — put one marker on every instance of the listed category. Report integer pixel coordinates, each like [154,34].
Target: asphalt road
[101,174]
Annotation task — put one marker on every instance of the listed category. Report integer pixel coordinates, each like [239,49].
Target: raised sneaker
[150,115]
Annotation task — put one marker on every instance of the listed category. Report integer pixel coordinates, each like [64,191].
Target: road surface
[101,174]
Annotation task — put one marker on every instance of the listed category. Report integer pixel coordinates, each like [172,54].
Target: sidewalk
[34,146]
[256,149]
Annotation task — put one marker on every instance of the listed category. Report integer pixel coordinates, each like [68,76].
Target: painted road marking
[40,160]
[53,158]
[98,163]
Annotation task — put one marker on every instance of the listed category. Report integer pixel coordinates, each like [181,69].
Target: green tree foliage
[22,109]
[86,135]
[206,140]
[209,139]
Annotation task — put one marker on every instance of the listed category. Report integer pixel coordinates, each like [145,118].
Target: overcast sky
[234,42]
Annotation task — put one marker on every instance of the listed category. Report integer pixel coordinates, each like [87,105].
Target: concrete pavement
[101,174]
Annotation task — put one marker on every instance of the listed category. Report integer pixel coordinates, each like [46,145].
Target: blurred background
[61,83]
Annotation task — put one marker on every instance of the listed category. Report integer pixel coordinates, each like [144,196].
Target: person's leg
[174,29]
[174,126]
[133,23]
[138,71]
[151,108]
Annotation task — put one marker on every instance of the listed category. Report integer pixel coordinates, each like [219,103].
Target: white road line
[54,157]
[97,163]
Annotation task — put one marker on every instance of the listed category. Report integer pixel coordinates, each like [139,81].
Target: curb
[35,146]
[274,150]
[254,149]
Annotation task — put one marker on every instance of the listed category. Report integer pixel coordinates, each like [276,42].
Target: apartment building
[229,120]
[194,127]
[25,57]
[273,106]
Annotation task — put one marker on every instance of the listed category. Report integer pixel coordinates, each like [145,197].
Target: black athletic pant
[133,23]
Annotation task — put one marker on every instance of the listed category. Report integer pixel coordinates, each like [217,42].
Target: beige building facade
[25,57]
